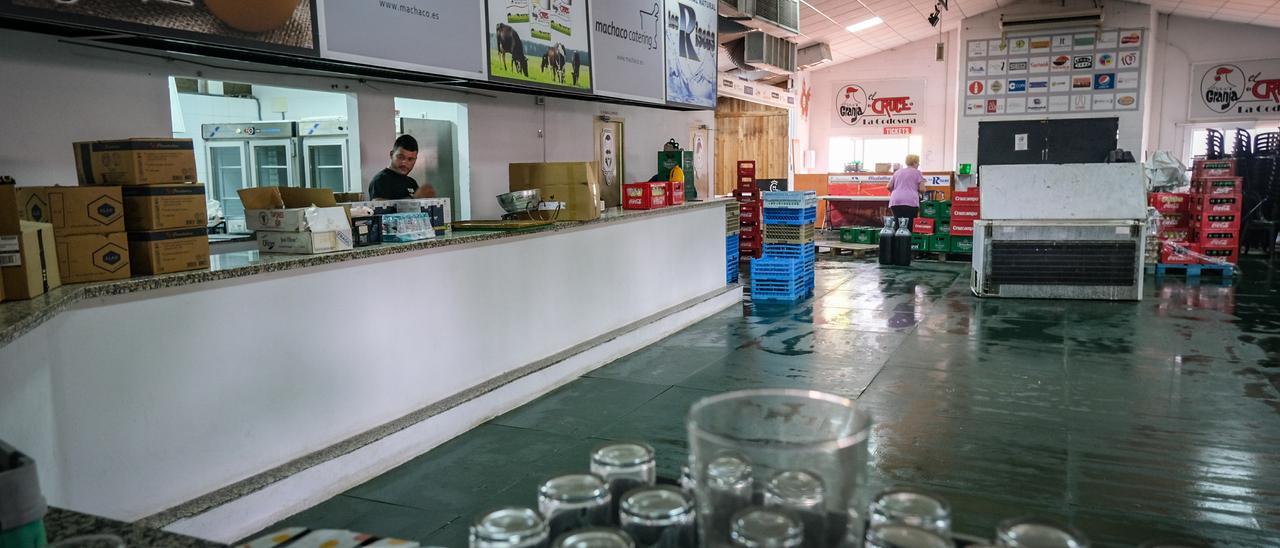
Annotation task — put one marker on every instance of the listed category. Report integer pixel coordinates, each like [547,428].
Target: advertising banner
[627,46]
[277,25]
[433,36]
[869,106]
[691,52]
[544,43]
[1236,89]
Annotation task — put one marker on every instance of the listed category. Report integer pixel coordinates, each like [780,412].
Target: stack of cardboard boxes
[28,257]
[88,227]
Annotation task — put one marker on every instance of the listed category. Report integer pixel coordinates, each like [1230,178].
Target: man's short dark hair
[406,142]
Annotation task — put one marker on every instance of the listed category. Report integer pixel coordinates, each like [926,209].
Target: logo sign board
[1235,89]
[691,46]
[875,104]
[409,33]
[628,46]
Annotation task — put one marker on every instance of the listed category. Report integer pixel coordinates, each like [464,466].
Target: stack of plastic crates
[778,279]
[789,229]
[747,193]
[731,255]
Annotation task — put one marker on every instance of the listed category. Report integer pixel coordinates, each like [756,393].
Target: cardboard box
[73,209]
[303,219]
[306,243]
[574,183]
[9,207]
[166,251]
[164,207]
[29,261]
[137,161]
[93,257]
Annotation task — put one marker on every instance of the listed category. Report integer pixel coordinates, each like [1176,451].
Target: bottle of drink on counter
[574,501]
[624,466]
[659,516]
[511,527]
[803,495]
[757,527]
[595,537]
[886,241]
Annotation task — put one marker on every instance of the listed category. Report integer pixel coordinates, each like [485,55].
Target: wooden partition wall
[749,131]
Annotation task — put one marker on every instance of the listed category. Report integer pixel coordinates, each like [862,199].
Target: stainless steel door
[228,173]
[437,157]
[324,161]
[273,162]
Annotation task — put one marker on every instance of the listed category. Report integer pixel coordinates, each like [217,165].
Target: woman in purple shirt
[904,190]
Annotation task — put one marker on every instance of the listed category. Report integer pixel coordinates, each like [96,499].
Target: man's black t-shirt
[391,185]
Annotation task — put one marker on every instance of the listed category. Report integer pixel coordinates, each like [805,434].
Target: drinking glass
[914,508]
[777,430]
[729,487]
[595,537]
[1038,533]
[659,516]
[574,501]
[898,535]
[802,494]
[624,466]
[511,527]
[758,527]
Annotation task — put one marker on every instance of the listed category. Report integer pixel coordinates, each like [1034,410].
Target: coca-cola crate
[1221,238]
[747,195]
[1218,186]
[747,168]
[675,192]
[1227,254]
[1174,234]
[1174,220]
[647,195]
[1179,253]
[1169,202]
[749,213]
[1213,168]
[1216,221]
[1215,204]
[753,232]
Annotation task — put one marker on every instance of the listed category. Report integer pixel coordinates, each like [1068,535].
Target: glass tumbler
[574,501]
[1038,533]
[595,537]
[730,487]
[758,527]
[659,516]
[511,527]
[803,495]
[778,430]
[914,508]
[624,466]
[898,535]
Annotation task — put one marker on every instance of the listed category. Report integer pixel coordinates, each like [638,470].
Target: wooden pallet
[845,249]
[943,257]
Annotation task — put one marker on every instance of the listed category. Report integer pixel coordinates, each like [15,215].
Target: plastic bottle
[902,243]
[886,241]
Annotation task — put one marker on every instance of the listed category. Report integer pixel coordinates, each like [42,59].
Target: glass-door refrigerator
[247,155]
[324,154]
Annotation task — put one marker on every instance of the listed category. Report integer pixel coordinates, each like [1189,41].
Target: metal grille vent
[1063,263]
[784,13]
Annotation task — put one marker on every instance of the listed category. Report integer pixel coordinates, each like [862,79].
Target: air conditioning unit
[768,52]
[778,17]
[1099,260]
[813,56]
[1090,18]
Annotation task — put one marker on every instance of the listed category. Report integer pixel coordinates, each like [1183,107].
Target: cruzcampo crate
[940,243]
[919,242]
[868,235]
[962,244]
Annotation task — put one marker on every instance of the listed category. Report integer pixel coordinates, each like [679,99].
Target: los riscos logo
[1228,88]
[858,107]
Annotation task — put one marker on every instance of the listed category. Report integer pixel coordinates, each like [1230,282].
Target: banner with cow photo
[544,43]
[886,107]
[1235,90]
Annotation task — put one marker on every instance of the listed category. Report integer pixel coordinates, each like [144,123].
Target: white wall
[68,93]
[911,61]
[1116,14]
[1183,41]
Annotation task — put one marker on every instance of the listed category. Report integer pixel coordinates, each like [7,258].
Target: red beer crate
[747,168]
[1223,238]
[675,192]
[752,232]
[922,225]
[749,212]
[966,197]
[750,248]
[961,229]
[1179,253]
[1169,202]
[964,212]
[648,195]
[1218,186]
[1228,254]
[1213,168]
[1214,204]
[1216,221]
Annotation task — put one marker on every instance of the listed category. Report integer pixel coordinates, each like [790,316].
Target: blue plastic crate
[793,199]
[763,290]
[787,216]
[772,268]
[791,251]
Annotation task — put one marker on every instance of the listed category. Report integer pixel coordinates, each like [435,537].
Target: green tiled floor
[1131,420]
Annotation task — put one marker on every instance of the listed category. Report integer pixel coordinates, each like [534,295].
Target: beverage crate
[867,235]
[803,199]
[1169,202]
[961,244]
[747,168]
[939,243]
[922,225]
[1226,238]
[1227,254]
[649,195]
[1179,253]
[788,216]
[788,234]
[749,212]
[965,213]
[1214,204]
[850,235]
[805,252]
[749,248]
[1218,186]
[1215,221]
[1174,220]
[751,231]
[942,227]
[675,192]
[1174,234]
[962,229]
[1213,168]
[747,195]
[969,197]
[778,290]
[919,242]
[935,209]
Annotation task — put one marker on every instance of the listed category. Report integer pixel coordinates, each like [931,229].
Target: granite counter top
[61,524]
[19,317]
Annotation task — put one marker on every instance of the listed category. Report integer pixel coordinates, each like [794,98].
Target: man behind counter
[394,182]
